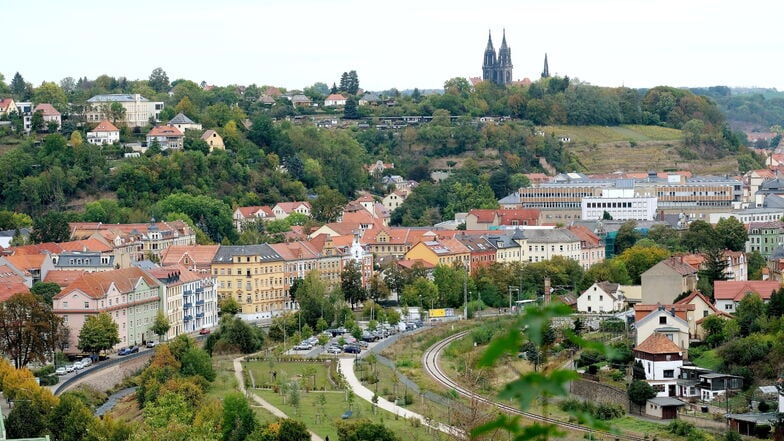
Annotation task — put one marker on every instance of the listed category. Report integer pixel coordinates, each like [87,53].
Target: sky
[399,44]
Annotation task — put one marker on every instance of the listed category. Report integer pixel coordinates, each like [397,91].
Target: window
[86,305]
[663,320]
[669,373]
[65,304]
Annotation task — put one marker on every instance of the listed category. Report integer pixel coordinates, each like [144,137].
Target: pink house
[130,295]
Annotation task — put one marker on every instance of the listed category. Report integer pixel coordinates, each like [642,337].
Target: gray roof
[226,253]
[115,97]
[757,418]
[180,118]
[513,198]
[145,264]
[536,235]
[773,201]
[666,401]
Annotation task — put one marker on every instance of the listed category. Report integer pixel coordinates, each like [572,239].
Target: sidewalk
[260,401]
[346,367]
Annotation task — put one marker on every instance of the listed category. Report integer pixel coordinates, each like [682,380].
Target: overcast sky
[399,43]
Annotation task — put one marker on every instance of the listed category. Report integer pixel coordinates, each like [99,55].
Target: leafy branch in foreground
[532,327]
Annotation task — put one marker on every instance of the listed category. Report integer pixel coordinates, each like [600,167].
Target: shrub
[609,411]
[617,375]
[612,325]
[681,428]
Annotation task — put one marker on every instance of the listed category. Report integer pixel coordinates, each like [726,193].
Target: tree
[750,310]
[714,329]
[50,227]
[19,88]
[45,291]
[640,392]
[71,419]
[37,121]
[98,333]
[51,93]
[351,111]
[775,306]
[756,263]
[641,257]
[626,236]
[421,292]
[713,268]
[115,112]
[285,429]
[328,205]
[26,420]
[159,81]
[362,429]
[699,236]
[351,283]
[196,361]
[161,325]
[27,329]
[731,233]
[238,418]
[229,306]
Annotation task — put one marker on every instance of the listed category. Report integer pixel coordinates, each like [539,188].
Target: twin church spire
[497,67]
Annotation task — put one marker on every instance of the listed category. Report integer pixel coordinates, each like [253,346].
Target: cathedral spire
[546,71]
[497,67]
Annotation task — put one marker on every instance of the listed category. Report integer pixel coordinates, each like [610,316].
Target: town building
[764,237]
[104,133]
[243,216]
[497,67]
[619,204]
[601,297]
[50,114]
[129,295]
[168,137]
[661,359]
[213,139]
[189,299]
[728,293]
[183,123]
[254,276]
[666,280]
[139,111]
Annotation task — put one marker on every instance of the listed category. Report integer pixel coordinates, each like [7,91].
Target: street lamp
[465,293]
[511,289]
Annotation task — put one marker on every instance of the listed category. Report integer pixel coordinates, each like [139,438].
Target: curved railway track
[430,362]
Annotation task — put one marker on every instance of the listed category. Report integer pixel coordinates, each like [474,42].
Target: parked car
[303,346]
[87,361]
[150,344]
[334,350]
[204,331]
[129,350]
[351,349]
[61,371]
[78,365]
[69,368]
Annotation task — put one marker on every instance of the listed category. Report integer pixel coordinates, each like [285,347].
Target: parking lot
[339,342]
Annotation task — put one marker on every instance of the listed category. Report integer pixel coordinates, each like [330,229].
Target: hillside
[604,149]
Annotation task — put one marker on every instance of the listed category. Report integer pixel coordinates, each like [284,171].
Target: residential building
[50,114]
[282,210]
[11,282]
[104,133]
[666,280]
[492,219]
[702,308]
[189,299]
[737,267]
[378,167]
[88,261]
[335,100]
[601,297]
[395,242]
[300,100]
[394,200]
[253,275]
[661,359]
[168,137]
[546,243]
[507,245]
[196,258]
[764,237]
[213,139]
[136,242]
[749,215]
[592,247]
[7,106]
[245,215]
[728,293]
[130,295]
[443,251]
[672,321]
[183,123]
[481,252]
[139,111]
[25,111]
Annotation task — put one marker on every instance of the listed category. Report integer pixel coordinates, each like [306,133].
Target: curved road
[430,362]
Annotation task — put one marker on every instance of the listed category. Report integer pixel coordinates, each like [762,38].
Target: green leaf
[510,342]
[529,386]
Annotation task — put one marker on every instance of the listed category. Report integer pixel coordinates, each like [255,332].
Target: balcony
[187,305]
[200,290]
[188,318]
[187,293]
[200,315]
[200,302]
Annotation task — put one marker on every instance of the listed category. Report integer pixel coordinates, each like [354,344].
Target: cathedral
[497,68]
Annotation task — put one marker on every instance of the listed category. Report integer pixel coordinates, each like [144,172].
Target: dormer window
[663,320]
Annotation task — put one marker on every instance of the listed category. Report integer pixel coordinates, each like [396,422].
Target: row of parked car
[71,367]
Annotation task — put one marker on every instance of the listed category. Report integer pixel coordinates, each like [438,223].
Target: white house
[334,100]
[601,297]
[668,320]
[104,133]
[662,360]
[282,210]
[728,293]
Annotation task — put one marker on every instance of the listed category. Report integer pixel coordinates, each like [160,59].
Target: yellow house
[253,275]
[439,252]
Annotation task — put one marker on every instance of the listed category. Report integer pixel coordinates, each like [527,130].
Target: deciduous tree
[98,333]
[26,328]
[161,325]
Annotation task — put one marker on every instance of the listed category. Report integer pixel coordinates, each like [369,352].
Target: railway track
[430,362]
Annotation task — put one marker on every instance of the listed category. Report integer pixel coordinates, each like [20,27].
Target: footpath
[346,366]
[260,401]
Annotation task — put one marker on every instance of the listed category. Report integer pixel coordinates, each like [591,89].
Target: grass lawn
[319,375]
[709,360]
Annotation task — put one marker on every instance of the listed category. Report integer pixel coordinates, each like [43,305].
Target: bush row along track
[430,362]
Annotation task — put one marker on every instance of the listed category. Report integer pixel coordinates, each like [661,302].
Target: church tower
[546,71]
[488,66]
[497,67]
[504,75]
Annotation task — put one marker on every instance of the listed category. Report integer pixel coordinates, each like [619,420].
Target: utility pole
[465,293]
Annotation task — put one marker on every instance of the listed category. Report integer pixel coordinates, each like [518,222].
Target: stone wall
[599,393]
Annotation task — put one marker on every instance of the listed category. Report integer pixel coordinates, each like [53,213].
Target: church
[497,67]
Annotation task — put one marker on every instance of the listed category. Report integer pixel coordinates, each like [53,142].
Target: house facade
[167,136]
[50,114]
[254,276]
[242,216]
[213,139]
[281,210]
[190,299]
[661,359]
[139,111]
[728,293]
[183,123]
[666,280]
[130,296]
[601,297]
[104,133]
[671,321]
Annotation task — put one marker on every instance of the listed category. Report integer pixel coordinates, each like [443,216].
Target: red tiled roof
[658,344]
[95,285]
[164,131]
[10,283]
[46,109]
[289,207]
[105,126]
[251,211]
[63,277]
[335,97]
[89,244]
[199,254]
[737,289]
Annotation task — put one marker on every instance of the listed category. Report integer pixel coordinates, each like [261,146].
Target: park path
[346,366]
[261,401]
